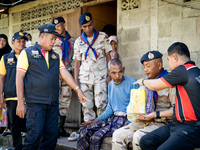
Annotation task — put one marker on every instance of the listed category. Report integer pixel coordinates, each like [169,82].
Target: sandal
[73,136]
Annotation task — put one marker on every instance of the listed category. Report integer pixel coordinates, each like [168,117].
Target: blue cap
[49,28]
[58,20]
[85,18]
[19,35]
[150,55]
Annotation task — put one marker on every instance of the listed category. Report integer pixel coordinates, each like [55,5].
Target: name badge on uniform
[54,56]
[10,59]
[35,52]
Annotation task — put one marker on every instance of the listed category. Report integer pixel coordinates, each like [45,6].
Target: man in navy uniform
[65,48]
[8,94]
[183,133]
[38,71]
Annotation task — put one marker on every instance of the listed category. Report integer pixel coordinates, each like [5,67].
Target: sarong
[91,137]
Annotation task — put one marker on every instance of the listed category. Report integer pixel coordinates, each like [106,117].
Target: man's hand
[88,123]
[81,96]
[116,55]
[146,118]
[21,110]
[2,102]
[139,81]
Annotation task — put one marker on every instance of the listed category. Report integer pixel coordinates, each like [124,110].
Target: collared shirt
[186,78]
[92,70]
[23,65]
[3,72]
[57,48]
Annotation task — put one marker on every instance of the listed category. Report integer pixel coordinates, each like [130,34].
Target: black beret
[85,18]
[58,20]
[19,35]
[150,55]
[49,28]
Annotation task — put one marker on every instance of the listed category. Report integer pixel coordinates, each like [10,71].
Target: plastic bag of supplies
[141,102]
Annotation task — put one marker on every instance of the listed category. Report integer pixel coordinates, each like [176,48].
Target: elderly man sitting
[114,116]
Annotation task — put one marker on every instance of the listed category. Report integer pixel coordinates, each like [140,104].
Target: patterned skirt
[90,138]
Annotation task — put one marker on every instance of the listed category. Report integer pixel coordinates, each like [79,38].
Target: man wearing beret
[183,133]
[65,48]
[164,100]
[37,78]
[8,95]
[91,55]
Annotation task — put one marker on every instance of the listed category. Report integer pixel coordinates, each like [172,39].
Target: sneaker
[73,136]
[6,132]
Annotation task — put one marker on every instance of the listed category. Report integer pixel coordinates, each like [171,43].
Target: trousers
[42,126]
[17,125]
[174,136]
[132,132]
[97,93]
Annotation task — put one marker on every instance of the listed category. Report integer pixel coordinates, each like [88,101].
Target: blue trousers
[42,126]
[174,136]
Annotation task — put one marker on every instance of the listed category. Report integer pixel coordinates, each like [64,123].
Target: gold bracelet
[77,88]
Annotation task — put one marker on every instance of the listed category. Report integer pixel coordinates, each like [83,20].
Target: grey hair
[115,61]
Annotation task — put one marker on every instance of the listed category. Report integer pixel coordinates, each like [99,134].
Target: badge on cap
[151,56]
[20,33]
[45,30]
[54,56]
[87,18]
[55,21]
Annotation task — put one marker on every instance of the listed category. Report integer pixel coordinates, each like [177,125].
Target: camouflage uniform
[65,93]
[135,130]
[93,73]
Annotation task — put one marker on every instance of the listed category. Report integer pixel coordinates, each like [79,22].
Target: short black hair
[179,48]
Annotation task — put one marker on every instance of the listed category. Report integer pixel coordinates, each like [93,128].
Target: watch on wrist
[158,115]
[143,81]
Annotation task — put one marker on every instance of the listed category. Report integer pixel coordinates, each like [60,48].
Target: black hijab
[7,48]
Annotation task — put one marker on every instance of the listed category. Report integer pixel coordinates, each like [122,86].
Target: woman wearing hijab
[4,49]
[4,46]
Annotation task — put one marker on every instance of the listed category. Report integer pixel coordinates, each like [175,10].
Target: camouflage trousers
[97,93]
[132,132]
[65,96]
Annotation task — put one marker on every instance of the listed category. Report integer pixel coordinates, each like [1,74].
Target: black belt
[188,122]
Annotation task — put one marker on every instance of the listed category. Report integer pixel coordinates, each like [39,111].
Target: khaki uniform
[93,73]
[135,130]
[65,93]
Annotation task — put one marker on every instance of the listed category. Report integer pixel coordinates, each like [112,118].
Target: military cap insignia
[87,18]
[151,56]
[45,30]
[55,21]
[20,33]
[54,56]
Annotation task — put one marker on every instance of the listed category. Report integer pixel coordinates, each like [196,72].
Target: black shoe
[6,132]
[63,133]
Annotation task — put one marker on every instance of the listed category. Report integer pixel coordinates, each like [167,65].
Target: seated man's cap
[85,18]
[58,20]
[150,55]
[49,28]
[19,35]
